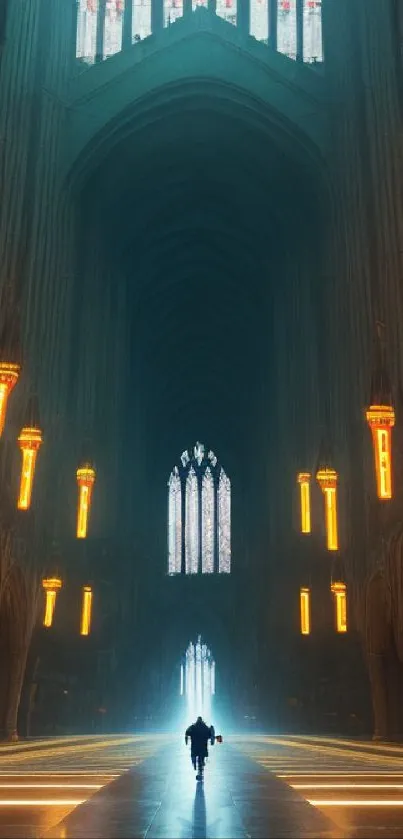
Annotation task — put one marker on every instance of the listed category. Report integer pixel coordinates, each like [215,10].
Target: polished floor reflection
[144,787]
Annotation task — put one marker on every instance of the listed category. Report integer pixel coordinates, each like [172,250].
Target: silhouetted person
[199,734]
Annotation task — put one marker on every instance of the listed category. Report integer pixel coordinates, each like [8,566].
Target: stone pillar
[99,53]
[157,16]
[273,24]
[300,30]
[243,16]
[127,25]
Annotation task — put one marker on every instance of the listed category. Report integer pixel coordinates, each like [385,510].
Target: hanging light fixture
[9,375]
[380,417]
[305,610]
[327,480]
[51,586]
[30,441]
[340,595]
[304,481]
[85,480]
[86,610]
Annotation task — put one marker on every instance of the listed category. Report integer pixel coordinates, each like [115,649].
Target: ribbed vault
[199,205]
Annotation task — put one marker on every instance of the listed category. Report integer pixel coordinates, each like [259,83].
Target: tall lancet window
[287,27]
[208,534]
[227,9]
[192,523]
[141,27]
[172,10]
[313,50]
[174,523]
[87,15]
[199,515]
[224,523]
[114,12]
[259,20]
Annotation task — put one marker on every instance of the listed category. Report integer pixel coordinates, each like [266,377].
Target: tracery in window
[287,27]
[113,27]
[201,539]
[313,50]
[197,680]
[87,15]
[259,20]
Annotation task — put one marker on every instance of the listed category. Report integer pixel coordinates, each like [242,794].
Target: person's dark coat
[199,734]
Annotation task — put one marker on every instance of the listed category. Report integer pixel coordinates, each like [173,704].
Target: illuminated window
[340,597]
[227,10]
[313,50]
[287,27]
[197,3]
[172,10]
[175,523]
[87,30]
[224,523]
[259,20]
[208,522]
[305,608]
[114,13]
[205,529]
[192,523]
[141,27]
[198,680]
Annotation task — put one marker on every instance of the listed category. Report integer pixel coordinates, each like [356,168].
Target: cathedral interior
[201,311]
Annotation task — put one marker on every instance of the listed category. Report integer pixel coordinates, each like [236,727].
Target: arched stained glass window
[87,15]
[287,27]
[141,26]
[192,523]
[224,523]
[208,522]
[227,10]
[114,12]
[174,523]
[259,20]
[313,50]
[207,493]
[173,9]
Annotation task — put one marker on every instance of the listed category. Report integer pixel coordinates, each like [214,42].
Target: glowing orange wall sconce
[305,610]
[85,481]
[381,419]
[327,480]
[51,586]
[340,596]
[9,374]
[86,610]
[304,480]
[30,441]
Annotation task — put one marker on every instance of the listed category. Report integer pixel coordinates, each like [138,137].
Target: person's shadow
[199,825]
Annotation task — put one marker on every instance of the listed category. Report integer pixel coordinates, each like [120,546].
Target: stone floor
[160,799]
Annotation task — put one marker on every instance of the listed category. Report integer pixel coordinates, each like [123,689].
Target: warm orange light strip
[305,608]
[355,802]
[339,591]
[9,374]
[85,480]
[86,611]
[304,479]
[327,479]
[381,419]
[29,441]
[51,585]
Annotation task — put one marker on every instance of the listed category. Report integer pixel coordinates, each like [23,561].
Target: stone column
[273,24]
